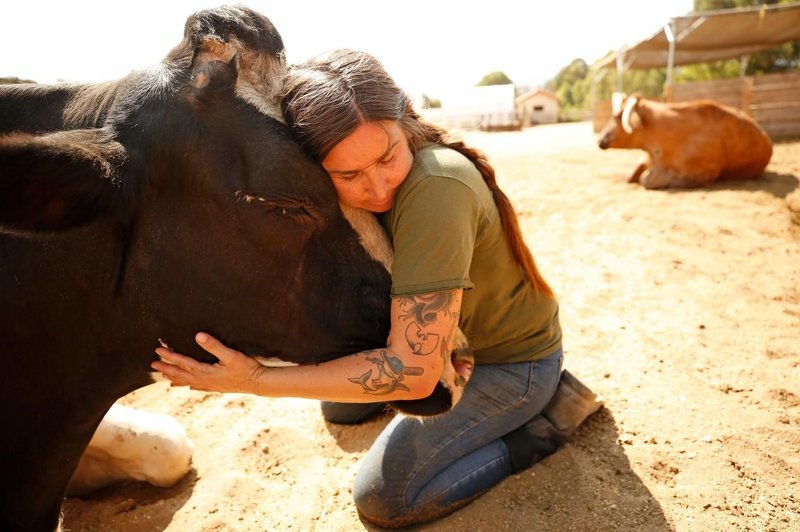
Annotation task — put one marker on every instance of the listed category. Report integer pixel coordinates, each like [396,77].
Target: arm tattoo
[386,375]
[421,311]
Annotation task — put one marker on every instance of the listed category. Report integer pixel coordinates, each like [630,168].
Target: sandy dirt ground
[680,308]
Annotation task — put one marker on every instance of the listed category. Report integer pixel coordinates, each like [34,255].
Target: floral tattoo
[423,310]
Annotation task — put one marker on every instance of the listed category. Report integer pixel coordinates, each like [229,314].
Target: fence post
[668,92]
[747,95]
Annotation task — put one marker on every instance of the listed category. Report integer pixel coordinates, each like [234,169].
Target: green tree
[430,103]
[494,78]
[711,5]
[570,85]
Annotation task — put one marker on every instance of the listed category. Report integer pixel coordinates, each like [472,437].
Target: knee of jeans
[376,501]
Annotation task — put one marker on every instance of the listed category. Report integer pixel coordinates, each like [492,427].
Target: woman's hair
[326,98]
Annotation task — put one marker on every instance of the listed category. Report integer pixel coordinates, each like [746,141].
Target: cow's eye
[281,208]
[287,210]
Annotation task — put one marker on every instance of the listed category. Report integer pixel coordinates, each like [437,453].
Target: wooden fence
[773,100]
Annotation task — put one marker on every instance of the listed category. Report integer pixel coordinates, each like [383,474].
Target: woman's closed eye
[346,177]
[389,159]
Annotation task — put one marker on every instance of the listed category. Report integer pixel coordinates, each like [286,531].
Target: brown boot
[571,404]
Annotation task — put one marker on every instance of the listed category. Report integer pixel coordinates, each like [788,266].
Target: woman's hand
[234,372]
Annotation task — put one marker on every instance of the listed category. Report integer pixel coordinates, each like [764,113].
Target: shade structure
[711,36]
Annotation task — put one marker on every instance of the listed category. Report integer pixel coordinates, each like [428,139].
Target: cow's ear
[213,68]
[61,180]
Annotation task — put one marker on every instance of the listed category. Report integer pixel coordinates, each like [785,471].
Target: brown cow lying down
[690,144]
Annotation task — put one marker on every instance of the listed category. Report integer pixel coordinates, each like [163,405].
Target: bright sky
[429,46]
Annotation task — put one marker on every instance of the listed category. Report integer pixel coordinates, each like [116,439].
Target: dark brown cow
[147,209]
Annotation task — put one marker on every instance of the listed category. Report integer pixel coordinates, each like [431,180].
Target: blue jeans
[419,469]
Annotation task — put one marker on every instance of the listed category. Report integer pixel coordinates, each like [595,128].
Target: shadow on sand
[128,506]
[779,185]
[589,484]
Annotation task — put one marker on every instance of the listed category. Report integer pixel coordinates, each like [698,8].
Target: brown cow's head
[620,131]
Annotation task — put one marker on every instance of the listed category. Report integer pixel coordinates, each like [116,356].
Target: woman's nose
[377,186]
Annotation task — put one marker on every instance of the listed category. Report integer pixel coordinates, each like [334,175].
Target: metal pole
[743,61]
[669,32]
[620,67]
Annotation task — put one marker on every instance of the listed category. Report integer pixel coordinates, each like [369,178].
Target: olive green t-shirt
[446,233]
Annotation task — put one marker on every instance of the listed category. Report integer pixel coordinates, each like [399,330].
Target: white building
[538,106]
[489,107]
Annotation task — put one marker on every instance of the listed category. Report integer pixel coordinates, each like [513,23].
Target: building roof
[536,92]
[712,35]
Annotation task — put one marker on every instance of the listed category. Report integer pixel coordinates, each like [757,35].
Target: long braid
[508,217]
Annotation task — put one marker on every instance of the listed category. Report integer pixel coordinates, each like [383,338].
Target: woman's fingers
[176,375]
[233,373]
[218,349]
[176,359]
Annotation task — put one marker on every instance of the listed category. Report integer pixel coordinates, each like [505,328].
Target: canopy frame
[709,36]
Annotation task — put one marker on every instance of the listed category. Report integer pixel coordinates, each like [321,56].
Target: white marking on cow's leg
[371,235]
[132,444]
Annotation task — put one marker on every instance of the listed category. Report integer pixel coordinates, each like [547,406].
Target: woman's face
[370,164]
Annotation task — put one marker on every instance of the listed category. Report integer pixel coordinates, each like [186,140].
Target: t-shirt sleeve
[435,230]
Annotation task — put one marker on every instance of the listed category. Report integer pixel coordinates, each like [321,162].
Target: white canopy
[710,36]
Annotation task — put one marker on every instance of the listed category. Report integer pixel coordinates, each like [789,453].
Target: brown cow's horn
[626,114]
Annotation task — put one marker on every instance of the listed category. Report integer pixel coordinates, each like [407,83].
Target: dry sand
[680,308]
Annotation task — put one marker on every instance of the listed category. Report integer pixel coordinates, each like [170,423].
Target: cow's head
[219,220]
[620,131]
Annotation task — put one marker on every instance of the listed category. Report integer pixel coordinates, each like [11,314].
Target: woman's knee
[377,500]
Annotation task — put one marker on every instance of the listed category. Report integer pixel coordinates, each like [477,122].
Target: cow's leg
[657,177]
[133,445]
[39,450]
[701,176]
[691,181]
[637,173]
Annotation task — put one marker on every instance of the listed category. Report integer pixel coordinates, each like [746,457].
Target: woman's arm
[409,367]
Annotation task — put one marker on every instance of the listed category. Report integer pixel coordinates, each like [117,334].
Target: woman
[459,260]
